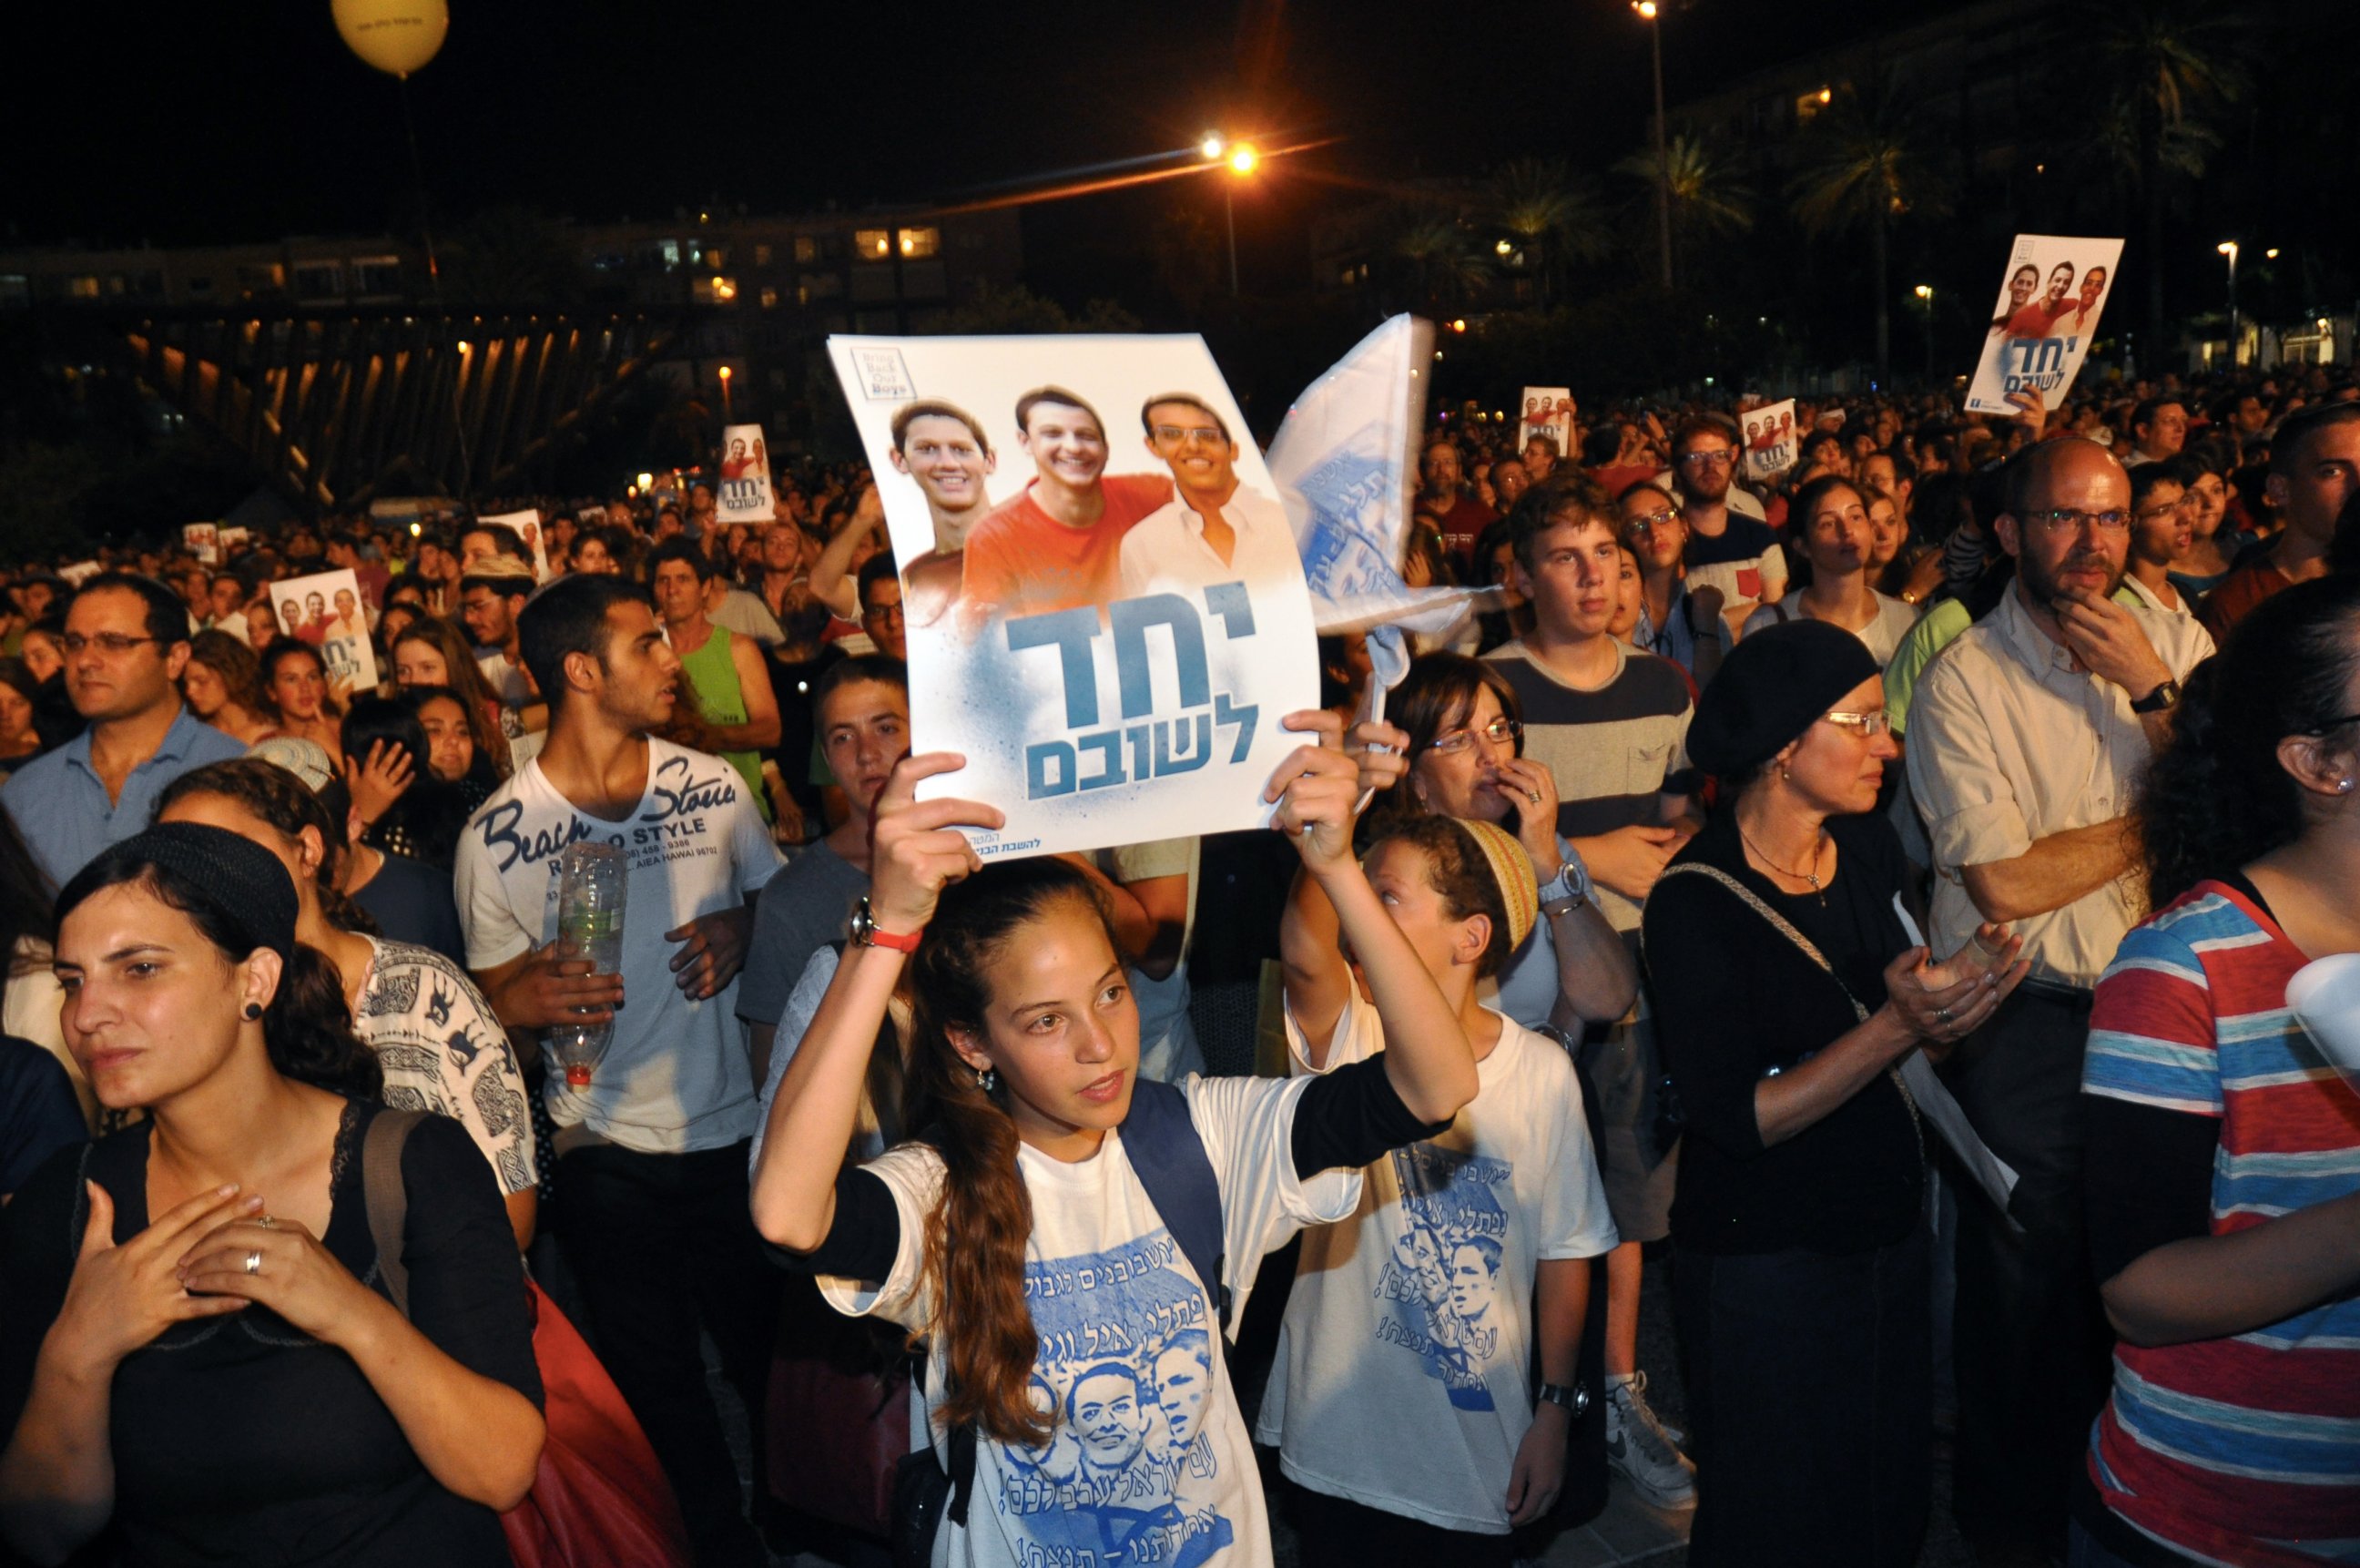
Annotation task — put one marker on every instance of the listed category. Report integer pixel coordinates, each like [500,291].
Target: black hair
[306,1026]
[271,793]
[505,541]
[2295,432]
[167,614]
[2148,475]
[874,570]
[1602,445]
[2215,798]
[2145,409]
[425,822]
[883,668]
[567,618]
[28,925]
[680,547]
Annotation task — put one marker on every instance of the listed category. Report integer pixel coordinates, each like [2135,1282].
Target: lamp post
[728,412]
[1924,292]
[2228,247]
[1241,157]
[1651,13]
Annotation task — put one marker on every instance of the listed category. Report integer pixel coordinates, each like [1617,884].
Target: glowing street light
[1649,13]
[2228,247]
[1242,158]
[1924,292]
[1211,147]
[726,409]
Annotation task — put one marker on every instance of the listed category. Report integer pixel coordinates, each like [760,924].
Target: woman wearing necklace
[1788,993]
[1833,532]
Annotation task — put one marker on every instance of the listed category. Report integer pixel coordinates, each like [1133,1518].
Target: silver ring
[254,1261]
[1941,1014]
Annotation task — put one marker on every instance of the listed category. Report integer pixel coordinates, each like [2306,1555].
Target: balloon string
[434,277]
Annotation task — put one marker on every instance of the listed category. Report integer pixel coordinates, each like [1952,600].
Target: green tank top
[712,675]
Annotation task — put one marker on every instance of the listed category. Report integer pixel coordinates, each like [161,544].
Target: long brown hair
[466,679]
[271,794]
[986,1330]
[240,670]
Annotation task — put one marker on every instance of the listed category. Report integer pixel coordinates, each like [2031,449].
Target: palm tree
[1864,164]
[1708,201]
[1555,216]
[2170,63]
[1437,266]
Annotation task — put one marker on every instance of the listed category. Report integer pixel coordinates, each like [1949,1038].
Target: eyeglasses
[1867,726]
[2066,519]
[113,644]
[1717,459]
[1182,434]
[2166,510]
[1650,522]
[883,611]
[1500,731]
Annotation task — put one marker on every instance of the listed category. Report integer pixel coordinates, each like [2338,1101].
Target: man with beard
[943,449]
[2026,739]
[1058,543]
[1459,518]
[1727,549]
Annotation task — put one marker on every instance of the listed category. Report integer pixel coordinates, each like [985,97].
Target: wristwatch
[1573,1400]
[864,932]
[1568,890]
[2166,695]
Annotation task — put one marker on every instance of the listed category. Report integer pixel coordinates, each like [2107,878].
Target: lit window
[718,256]
[873,244]
[806,248]
[770,298]
[761,256]
[85,288]
[918,243]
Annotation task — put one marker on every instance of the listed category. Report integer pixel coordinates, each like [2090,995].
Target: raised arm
[831,575]
[918,851]
[1317,982]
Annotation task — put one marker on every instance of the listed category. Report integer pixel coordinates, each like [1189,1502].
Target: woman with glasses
[1467,759]
[1673,623]
[1788,992]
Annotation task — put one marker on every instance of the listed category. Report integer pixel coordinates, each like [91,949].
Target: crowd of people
[1867,893]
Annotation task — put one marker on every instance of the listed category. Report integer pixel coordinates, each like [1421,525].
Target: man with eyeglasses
[125,643]
[1674,623]
[880,607]
[1214,530]
[2314,470]
[2026,739]
[1727,549]
[2158,430]
[2162,525]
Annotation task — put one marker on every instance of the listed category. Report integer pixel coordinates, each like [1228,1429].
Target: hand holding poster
[1108,621]
[2044,319]
[745,493]
[1549,410]
[1770,444]
[324,609]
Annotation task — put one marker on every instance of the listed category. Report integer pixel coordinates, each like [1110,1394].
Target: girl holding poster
[1075,1385]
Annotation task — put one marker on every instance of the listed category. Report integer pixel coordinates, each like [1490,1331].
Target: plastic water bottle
[593,884]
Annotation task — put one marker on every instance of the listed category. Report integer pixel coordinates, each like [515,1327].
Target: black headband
[237,876]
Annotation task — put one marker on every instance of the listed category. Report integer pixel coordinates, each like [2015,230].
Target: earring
[2343,787]
[253,1011]
[987,1078]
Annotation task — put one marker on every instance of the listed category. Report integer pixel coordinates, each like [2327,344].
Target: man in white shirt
[2027,737]
[1214,530]
[651,1148]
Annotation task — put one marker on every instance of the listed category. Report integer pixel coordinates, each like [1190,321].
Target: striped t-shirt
[2243,1450]
[1612,751]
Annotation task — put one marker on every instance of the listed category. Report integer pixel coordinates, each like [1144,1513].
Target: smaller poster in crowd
[233,538]
[526,525]
[204,541]
[2044,320]
[325,610]
[79,573]
[1770,443]
[745,492]
[1549,410]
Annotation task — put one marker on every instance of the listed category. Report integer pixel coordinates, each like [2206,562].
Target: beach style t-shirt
[1148,1460]
[676,1077]
[1414,1315]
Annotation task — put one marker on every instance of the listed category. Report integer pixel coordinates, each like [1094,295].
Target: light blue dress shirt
[61,806]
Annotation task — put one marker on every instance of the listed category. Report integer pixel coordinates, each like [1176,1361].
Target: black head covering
[1773,686]
[236,876]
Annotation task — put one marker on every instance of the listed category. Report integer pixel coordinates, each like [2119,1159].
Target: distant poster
[233,538]
[325,610]
[79,573]
[526,525]
[202,541]
[1549,410]
[745,492]
[1107,612]
[2044,320]
[1770,443]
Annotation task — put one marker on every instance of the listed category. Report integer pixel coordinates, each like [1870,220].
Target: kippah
[1512,869]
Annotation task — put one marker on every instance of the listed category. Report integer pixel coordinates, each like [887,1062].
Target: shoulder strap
[1778,923]
[388,1198]
[1169,1157]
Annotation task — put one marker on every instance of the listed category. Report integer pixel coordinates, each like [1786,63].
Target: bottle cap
[577,1075]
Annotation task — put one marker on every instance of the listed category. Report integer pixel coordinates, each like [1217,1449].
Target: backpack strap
[386,1198]
[1170,1159]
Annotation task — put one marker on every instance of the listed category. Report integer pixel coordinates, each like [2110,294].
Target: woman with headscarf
[1789,995]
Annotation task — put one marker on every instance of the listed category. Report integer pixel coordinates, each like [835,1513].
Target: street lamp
[727,412]
[1242,158]
[1650,13]
[1924,292]
[2228,247]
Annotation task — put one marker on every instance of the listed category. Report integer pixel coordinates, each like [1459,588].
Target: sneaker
[1637,1445]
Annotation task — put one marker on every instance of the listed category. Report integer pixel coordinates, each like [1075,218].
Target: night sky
[249,120]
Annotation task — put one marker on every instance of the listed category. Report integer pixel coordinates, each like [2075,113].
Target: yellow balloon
[395,36]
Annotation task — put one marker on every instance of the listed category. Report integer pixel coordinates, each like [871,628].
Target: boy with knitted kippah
[1400,1398]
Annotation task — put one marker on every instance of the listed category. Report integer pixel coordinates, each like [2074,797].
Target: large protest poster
[2044,319]
[745,492]
[203,540]
[1549,410]
[1770,443]
[1104,608]
[526,525]
[325,610]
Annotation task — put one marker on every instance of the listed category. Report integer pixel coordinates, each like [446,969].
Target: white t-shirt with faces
[1412,1319]
[676,1077]
[1149,1460]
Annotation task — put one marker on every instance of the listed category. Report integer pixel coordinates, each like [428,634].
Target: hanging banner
[1770,443]
[325,610]
[745,492]
[526,525]
[1106,611]
[2044,319]
[1549,410]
